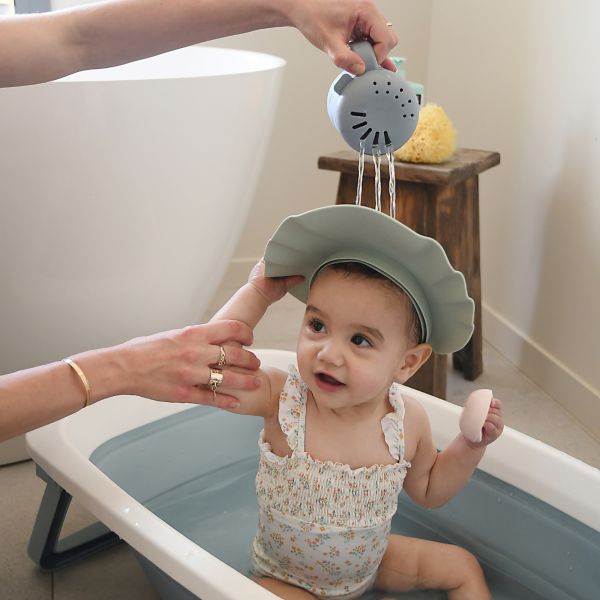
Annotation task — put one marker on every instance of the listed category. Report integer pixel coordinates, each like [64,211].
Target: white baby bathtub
[531,513]
[123,193]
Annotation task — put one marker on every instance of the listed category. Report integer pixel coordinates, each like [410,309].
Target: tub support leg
[45,548]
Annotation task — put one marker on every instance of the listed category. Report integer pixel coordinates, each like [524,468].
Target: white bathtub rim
[63,448]
[562,481]
[237,64]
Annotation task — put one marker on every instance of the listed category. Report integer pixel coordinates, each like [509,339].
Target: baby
[340,441]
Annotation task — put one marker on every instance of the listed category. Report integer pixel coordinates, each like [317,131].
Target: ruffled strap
[292,409]
[392,424]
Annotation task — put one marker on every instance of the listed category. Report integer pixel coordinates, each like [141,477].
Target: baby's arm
[248,305]
[251,301]
[436,477]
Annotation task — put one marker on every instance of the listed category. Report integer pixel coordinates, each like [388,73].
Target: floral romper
[323,526]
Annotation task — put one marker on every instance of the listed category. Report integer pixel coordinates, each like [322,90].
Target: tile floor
[115,574]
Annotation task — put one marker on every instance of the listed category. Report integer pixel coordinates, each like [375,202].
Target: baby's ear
[412,361]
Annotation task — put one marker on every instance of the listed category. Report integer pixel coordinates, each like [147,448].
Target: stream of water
[389,153]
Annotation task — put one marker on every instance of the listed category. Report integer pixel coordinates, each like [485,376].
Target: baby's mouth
[328,379]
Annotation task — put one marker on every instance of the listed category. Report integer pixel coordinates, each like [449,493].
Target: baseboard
[573,394]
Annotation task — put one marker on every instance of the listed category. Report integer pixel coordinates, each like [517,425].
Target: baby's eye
[316,325]
[361,340]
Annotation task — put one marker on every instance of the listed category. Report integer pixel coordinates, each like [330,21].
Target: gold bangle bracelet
[82,377]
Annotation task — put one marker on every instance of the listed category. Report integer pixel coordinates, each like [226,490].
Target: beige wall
[521,78]
[290,181]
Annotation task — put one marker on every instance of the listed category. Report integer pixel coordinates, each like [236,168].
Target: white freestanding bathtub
[177,484]
[123,192]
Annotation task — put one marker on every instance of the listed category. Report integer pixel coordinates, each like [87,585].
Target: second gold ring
[222,357]
[215,380]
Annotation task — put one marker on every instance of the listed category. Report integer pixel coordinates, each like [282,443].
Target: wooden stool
[442,202]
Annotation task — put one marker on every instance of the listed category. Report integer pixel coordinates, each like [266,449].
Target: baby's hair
[348,269]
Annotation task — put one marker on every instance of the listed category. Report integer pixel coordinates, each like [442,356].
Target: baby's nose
[332,352]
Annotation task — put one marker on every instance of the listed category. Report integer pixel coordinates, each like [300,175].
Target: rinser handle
[365,50]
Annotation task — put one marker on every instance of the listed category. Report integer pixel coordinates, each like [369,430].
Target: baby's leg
[284,590]
[410,563]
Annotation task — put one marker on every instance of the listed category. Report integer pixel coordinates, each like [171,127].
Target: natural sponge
[434,139]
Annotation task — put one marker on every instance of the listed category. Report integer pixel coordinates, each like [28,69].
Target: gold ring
[215,380]
[389,24]
[222,358]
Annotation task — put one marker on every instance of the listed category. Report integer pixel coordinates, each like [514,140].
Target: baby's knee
[468,564]
[471,583]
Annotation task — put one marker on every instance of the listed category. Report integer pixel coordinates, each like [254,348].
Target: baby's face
[353,339]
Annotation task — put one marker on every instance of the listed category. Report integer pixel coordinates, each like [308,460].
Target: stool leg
[469,360]
[450,214]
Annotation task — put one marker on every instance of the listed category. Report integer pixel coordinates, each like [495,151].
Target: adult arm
[171,366]
[41,47]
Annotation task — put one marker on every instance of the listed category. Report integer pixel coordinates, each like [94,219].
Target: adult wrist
[278,12]
[82,379]
[105,372]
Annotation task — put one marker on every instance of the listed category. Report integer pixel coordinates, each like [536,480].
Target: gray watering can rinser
[377,111]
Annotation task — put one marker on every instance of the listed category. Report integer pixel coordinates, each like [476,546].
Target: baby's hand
[493,425]
[272,288]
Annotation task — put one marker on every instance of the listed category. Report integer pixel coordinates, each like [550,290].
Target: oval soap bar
[474,413]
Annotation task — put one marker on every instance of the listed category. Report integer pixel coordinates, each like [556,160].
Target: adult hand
[174,366]
[330,25]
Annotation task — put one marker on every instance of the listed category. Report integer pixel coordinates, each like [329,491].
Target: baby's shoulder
[285,387]
[281,424]
[416,421]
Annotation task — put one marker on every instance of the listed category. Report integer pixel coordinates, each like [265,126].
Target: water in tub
[204,487]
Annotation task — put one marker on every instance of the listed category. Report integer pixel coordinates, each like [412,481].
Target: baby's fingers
[205,396]
[495,413]
[493,427]
[496,405]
